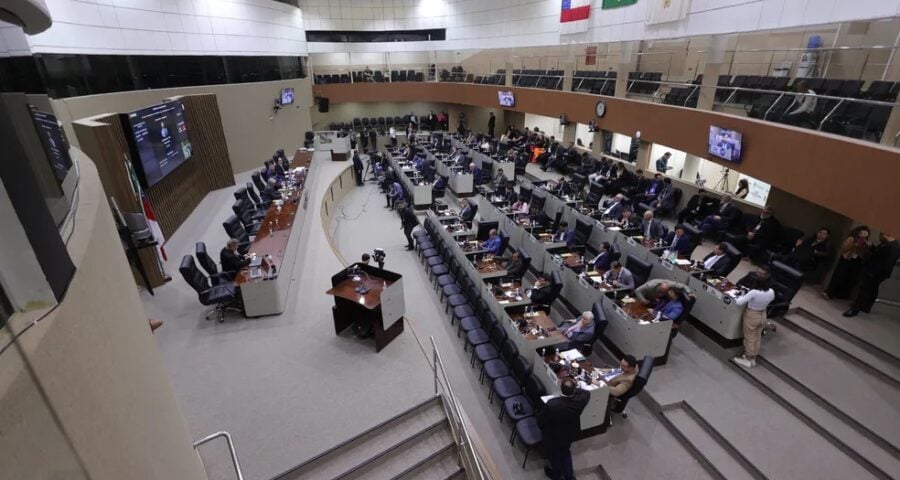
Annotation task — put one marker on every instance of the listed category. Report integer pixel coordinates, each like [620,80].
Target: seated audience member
[619,276]
[678,241]
[629,220]
[603,259]
[808,254]
[492,244]
[722,218]
[271,191]
[620,384]
[614,208]
[698,207]
[500,181]
[232,261]
[521,206]
[440,183]
[394,195]
[579,331]
[667,198]
[653,189]
[466,211]
[743,188]
[515,266]
[717,261]
[670,306]
[540,293]
[762,236]
[651,228]
[477,177]
[657,289]
[564,234]
[762,275]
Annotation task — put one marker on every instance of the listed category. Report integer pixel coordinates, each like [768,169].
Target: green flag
[617,3]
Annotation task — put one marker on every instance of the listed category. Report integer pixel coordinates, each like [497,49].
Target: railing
[468,456]
[234,458]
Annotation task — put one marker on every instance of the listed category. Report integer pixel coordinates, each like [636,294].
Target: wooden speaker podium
[363,293]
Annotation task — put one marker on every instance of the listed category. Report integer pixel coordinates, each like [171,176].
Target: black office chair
[696,238]
[734,255]
[490,350]
[529,433]
[223,296]
[258,181]
[235,230]
[251,192]
[556,286]
[247,216]
[534,390]
[786,282]
[484,228]
[643,376]
[640,269]
[208,264]
[511,385]
[499,367]
[504,242]
[526,262]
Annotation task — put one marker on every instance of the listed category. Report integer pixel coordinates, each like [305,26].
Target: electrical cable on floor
[365,208]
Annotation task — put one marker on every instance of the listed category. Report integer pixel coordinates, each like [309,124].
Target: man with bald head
[653,290]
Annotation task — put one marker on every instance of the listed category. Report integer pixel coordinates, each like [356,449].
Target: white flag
[662,11]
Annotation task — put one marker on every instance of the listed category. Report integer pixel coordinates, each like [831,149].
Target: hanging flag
[154,228]
[574,16]
[607,4]
[663,11]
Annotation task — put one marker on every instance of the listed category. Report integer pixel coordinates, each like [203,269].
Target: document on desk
[572,355]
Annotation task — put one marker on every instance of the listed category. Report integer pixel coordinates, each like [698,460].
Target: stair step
[715,452]
[369,444]
[398,460]
[851,390]
[852,347]
[832,426]
[440,466]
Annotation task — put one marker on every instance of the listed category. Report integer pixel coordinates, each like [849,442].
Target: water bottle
[665,255]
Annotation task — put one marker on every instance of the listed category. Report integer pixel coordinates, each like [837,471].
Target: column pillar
[597,150]
[567,133]
[643,155]
[508,81]
[568,74]
[892,128]
[691,168]
[711,72]
[627,64]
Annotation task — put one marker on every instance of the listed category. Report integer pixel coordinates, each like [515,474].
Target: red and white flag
[574,16]
[154,227]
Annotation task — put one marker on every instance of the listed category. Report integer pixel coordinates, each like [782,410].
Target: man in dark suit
[808,254]
[492,122]
[614,208]
[232,261]
[357,168]
[762,236]
[666,200]
[698,207]
[408,222]
[651,228]
[629,220]
[466,211]
[717,261]
[563,234]
[723,217]
[678,241]
[876,269]
[540,293]
[603,259]
[271,192]
[515,266]
[560,423]
[761,277]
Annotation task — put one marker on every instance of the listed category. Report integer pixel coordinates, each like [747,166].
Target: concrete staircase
[416,444]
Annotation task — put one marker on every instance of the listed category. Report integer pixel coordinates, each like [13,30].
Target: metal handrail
[231,450]
[468,454]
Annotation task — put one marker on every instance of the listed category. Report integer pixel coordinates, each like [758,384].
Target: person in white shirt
[521,206]
[803,107]
[393,134]
[754,318]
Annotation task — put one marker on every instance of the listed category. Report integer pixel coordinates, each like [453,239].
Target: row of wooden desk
[280,235]
[533,332]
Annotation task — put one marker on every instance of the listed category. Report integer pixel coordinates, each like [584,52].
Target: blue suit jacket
[616,211]
[682,246]
[672,309]
[602,261]
[492,245]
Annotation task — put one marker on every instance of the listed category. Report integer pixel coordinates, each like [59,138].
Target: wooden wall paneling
[208,138]
[103,140]
[851,177]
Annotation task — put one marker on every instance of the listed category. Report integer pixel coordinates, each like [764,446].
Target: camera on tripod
[379,255]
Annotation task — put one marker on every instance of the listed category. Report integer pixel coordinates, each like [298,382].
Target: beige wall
[111,411]
[252,132]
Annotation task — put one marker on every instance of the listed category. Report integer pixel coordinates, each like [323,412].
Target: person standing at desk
[357,168]
[656,289]
[492,122]
[853,250]
[619,276]
[756,300]
[875,270]
[560,424]
[493,243]
[232,261]
[662,163]
[408,222]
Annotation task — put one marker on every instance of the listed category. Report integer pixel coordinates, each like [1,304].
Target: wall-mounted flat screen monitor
[161,142]
[507,99]
[725,144]
[287,96]
[55,143]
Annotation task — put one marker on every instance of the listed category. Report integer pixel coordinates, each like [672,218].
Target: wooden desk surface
[572,260]
[489,265]
[539,319]
[346,289]
[503,291]
[636,310]
[568,371]
[275,229]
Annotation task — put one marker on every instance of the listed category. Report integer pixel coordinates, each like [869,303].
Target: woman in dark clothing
[853,251]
